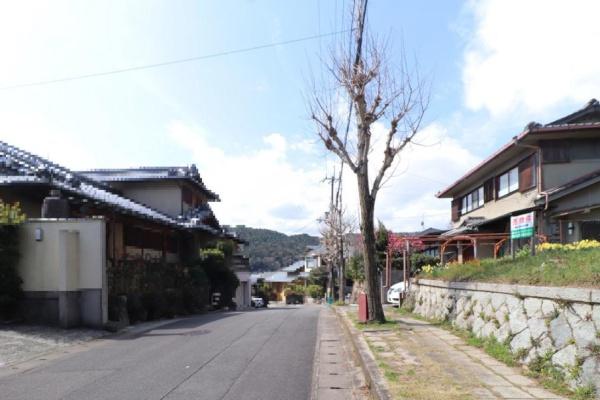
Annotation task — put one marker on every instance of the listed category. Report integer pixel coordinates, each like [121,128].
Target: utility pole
[340,221]
[335,224]
[329,221]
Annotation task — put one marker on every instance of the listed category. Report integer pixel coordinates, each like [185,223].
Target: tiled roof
[25,167]
[294,267]
[568,122]
[189,173]
[591,106]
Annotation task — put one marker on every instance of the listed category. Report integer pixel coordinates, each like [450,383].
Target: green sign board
[521,233]
[522,226]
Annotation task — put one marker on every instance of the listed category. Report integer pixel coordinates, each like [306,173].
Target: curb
[378,389]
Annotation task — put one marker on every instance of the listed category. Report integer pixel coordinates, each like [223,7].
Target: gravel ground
[23,342]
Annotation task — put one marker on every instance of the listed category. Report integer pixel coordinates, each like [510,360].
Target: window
[513,180]
[472,201]
[508,182]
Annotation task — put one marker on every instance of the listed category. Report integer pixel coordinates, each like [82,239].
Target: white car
[257,302]
[394,292]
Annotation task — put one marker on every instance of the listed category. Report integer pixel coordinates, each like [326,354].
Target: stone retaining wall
[561,323]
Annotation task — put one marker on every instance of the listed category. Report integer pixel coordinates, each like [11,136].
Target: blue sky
[493,66]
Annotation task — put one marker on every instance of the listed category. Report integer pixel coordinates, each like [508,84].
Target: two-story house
[552,169]
[177,192]
[82,223]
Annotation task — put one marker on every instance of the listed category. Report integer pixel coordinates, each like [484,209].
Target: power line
[172,62]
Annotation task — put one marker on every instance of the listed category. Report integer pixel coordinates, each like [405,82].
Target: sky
[492,66]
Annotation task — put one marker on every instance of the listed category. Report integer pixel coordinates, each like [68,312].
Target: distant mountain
[270,250]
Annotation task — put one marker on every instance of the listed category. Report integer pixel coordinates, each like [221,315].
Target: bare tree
[397,100]
[334,228]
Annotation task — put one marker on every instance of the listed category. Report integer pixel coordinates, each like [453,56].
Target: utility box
[363,309]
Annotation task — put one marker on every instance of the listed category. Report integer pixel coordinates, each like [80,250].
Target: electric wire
[170,62]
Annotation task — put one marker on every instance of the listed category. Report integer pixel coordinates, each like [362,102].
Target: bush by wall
[10,282]
[221,278]
[155,289]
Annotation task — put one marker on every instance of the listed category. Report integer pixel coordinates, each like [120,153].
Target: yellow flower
[581,245]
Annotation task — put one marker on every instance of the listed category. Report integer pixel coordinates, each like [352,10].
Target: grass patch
[585,393]
[388,372]
[376,326]
[551,267]
[555,380]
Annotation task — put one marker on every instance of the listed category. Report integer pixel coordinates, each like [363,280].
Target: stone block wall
[560,323]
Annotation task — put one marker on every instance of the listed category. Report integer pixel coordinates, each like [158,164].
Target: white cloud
[260,188]
[532,55]
[263,188]
[421,171]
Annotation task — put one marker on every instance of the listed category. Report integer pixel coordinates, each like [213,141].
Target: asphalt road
[264,354]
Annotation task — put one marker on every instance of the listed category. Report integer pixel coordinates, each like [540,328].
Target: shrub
[135,308]
[420,260]
[220,277]
[315,291]
[10,282]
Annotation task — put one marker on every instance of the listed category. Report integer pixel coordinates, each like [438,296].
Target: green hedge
[10,282]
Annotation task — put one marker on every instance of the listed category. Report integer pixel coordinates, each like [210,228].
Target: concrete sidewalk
[425,362]
[336,375]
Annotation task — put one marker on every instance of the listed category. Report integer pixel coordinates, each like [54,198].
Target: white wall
[164,196]
[243,291]
[40,260]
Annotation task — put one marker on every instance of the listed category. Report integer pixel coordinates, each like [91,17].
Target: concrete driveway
[263,354]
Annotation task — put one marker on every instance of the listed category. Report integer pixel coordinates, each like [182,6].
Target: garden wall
[63,267]
[560,324]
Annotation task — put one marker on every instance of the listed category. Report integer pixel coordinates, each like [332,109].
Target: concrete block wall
[561,323]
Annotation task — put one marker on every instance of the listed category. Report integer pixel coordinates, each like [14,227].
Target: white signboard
[522,226]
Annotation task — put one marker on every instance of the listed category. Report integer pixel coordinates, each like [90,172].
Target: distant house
[297,272]
[552,170]
[314,257]
[82,222]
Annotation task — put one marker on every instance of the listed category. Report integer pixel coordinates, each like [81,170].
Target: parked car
[394,293]
[257,302]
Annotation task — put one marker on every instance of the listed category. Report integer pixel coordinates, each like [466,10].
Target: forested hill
[270,250]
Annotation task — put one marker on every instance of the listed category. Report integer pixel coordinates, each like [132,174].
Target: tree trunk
[367,228]
[342,278]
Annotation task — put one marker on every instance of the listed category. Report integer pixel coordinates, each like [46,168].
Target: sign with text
[522,226]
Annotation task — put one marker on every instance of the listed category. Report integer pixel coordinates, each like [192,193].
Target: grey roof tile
[29,168]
